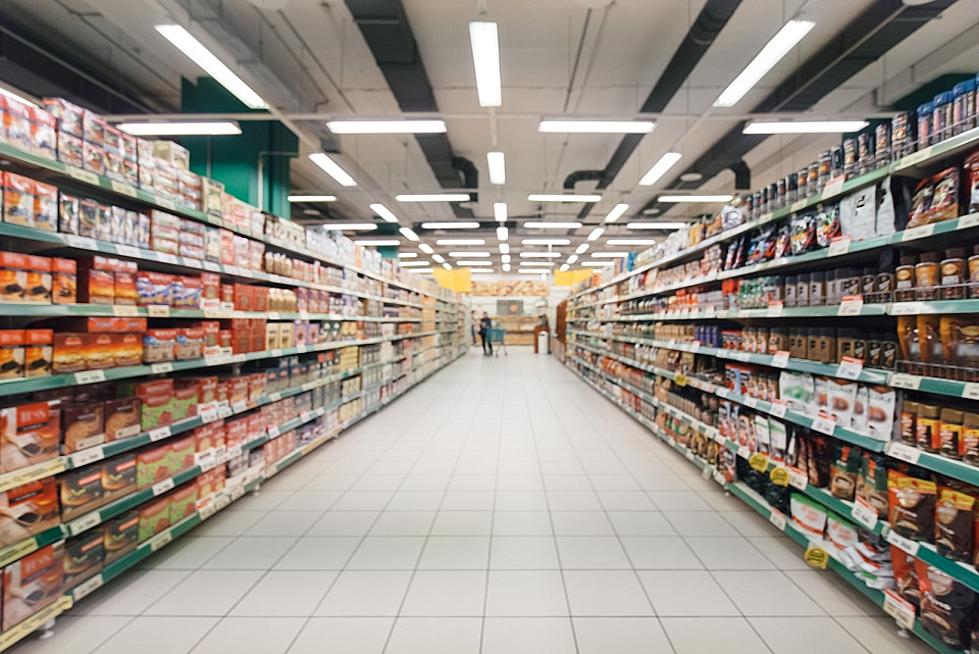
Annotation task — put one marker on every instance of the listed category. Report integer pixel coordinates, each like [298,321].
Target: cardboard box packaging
[31,434]
[152,465]
[27,510]
[183,502]
[154,518]
[121,535]
[118,477]
[31,583]
[84,556]
[81,491]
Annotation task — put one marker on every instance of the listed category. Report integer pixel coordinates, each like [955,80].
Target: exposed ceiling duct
[385,28]
[864,40]
[705,28]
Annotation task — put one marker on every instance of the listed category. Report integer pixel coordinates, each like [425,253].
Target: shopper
[472,326]
[485,324]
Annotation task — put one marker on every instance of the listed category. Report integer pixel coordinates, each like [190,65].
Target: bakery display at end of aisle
[812,348]
[166,348]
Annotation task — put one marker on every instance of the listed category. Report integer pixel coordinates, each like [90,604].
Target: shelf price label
[161,487]
[907,308]
[971,220]
[864,513]
[162,540]
[833,187]
[839,245]
[816,556]
[971,391]
[915,233]
[123,188]
[159,433]
[158,311]
[90,377]
[160,368]
[780,359]
[899,608]
[86,588]
[778,408]
[824,423]
[83,458]
[84,523]
[850,368]
[775,309]
[777,518]
[81,175]
[851,305]
[125,310]
[797,478]
[758,461]
[904,452]
[900,542]
[210,414]
[903,380]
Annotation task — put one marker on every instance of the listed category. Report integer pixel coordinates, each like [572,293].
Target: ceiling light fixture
[610,255]
[467,254]
[485,43]
[504,248]
[597,264]
[805,127]
[572,258]
[332,169]
[378,242]
[461,241]
[581,249]
[420,271]
[695,198]
[505,267]
[446,266]
[502,233]
[200,55]
[456,225]
[656,225]
[413,264]
[540,255]
[500,212]
[407,255]
[631,241]
[596,233]
[531,271]
[433,197]
[474,263]
[779,46]
[496,162]
[539,264]
[564,267]
[659,168]
[426,248]
[617,212]
[438,258]
[311,198]
[386,126]
[545,241]
[384,212]
[339,227]
[564,197]
[409,234]
[596,126]
[542,224]
[505,258]
[480,271]
[194,128]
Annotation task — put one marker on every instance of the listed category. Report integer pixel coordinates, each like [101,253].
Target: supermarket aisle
[501,507]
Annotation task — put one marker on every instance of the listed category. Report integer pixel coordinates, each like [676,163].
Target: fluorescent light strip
[496,162]
[597,264]
[196,128]
[539,264]
[779,46]
[545,241]
[572,258]
[332,169]
[610,255]
[311,198]
[7,93]
[505,267]
[564,267]
[542,224]
[339,227]
[581,249]
[502,233]
[568,197]
[504,248]
[485,43]
[659,168]
[456,225]
[631,241]
[531,271]
[420,271]
[409,234]
[407,255]
[505,258]
[500,211]
[596,126]
[384,212]
[413,264]
[461,241]
[378,242]
[480,271]
[805,127]
[426,248]
[596,233]
[446,266]
[433,197]
[200,55]
[386,126]
[438,258]
[656,225]
[617,212]
[695,198]
[470,255]
[474,262]
[540,255]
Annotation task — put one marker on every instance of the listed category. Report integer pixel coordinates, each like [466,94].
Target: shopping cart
[497,337]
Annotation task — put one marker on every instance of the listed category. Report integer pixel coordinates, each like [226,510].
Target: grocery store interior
[489,326]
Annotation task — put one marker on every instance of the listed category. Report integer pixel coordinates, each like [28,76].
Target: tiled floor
[502,507]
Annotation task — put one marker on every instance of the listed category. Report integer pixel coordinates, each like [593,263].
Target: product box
[69,353]
[181,456]
[154,518]
[38,287]
[122,418]
[81,491]
[152,465]
[100,350]
[121,535]
[31,434]
[84,556]
[156,397]
[27,510]
[183,502]
[38,352]
[31,583]
[13,353]
[83,425]
[118,477]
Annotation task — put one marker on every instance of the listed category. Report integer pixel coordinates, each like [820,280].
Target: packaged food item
[31,583]
[121,535]
[881,401]
[946,606]
[154,518]
[969,445]
[928,427]
[38,282]
[159,345]
[69,353]
[911,505]
[118,476]
[808,516]
[905,576]
[827,225]
[954,523]
[844,471]
[38,352]
[64,281]
[972,182]
[945,197]
[122,418]
[81,491]
[31,434]
[872,482]
[83,424]
[45,207]
[18,199]
[12,353]
[803,232]
[28,509]
[84,555]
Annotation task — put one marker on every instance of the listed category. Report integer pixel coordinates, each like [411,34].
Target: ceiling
[571,58]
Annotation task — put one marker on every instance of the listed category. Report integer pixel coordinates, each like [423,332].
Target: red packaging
[31,434]
[31,583]
[28,509]
[100,350]
[96,287]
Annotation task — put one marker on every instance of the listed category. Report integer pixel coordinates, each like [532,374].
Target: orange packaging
[106,325]
[28,509]
[13,276]
[124,287]
[210,286]
[12,353]
[207,389]
[99,350]
[212,330]
[154,518]
[69,353]
[96,287]
[31,583]
[31,434]
[64,281]
[127,349]
[18,199]
[235,432]
[38,352]
[45,207]
[38,287]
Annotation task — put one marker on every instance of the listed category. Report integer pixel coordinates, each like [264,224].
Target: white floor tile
[387,553]
[523,553]
[685,593]
[660,553]
[285,593]
[712,636]
[606,592]
[343,636]
[526,593]
[158,635]
[760,593]
[262,634]
[206,593]
[435,636]
[250,553]
[620,635]
[591,553]
[74,633]
[806,635]
[365,593]
[528,636]
[446,593]
[522,523]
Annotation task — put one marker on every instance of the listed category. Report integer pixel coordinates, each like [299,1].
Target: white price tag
[82,242]
[224,411]
[274,431]
[741,356]
[775,309]
[125,310]
[777,518]
[273,315]
[123,188]
[127,251]
[166,257]
[277,352]
[907,308]
[159,433]
[160,368]
[84,523]
[86,176]
[90,377]
[824,423]
[778,408]
[971,391]
[971,220]
[233,452]
[839,245]
[161,487]
[851,305]
[238,358]
[744,452]
[207,511]
[797,478]
[206,461]
[850,368]
[918,232]
[166,203]
[780,359]
[902,380]
[212,266]
[899,608]
[209,414]
[864,513]
[751,402]
[903,452]
[275,397]
[191,262]
[87,587]
[899,541]
[161,541]
[239,406]
[833,186]
[158,311]
[84,457]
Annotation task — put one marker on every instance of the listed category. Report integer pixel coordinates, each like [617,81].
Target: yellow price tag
[680,379]
[816,556]
[758,461]
[779,476]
